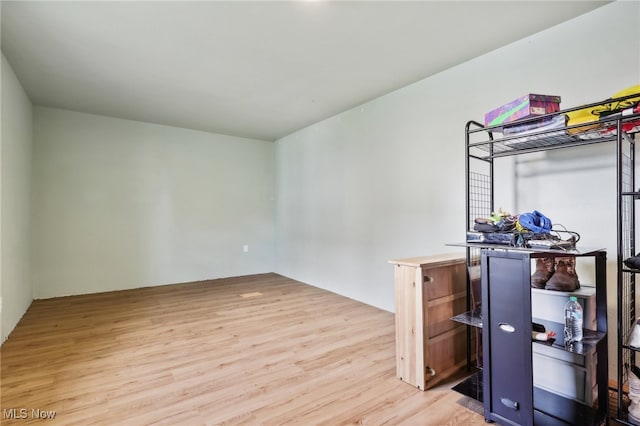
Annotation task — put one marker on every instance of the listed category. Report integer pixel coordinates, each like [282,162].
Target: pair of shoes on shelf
[556,273]
[633,262]
[545,267]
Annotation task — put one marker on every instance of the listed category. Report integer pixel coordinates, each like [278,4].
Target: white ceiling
[253,69]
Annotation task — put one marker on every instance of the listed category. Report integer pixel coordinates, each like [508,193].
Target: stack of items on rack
[598,120]
[527,230]
[532,230]
[518,117]
[634,394]
[524,108]
[633,372]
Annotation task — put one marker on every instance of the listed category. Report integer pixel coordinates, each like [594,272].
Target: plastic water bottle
[572,321]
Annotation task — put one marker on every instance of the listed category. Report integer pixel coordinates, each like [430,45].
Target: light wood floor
[260,350]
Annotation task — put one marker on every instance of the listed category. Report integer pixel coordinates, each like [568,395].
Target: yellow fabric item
[585,115]
[592,115]
[614,106]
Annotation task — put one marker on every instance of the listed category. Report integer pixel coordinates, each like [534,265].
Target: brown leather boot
[544,271]
[565,277]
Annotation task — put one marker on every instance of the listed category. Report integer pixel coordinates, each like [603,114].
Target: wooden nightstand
[429,290]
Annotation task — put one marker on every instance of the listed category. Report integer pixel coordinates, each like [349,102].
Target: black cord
[574,235]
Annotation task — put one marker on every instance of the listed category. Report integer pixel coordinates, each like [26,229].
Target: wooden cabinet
[429,290]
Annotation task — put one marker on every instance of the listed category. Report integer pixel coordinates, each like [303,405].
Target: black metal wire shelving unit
[485,144]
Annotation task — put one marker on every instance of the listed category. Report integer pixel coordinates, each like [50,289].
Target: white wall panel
[15,175]
[386,180]
[124,204]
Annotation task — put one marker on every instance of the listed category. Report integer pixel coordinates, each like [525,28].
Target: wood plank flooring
[262,349]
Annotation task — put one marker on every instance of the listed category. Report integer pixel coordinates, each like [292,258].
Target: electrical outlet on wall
[245,248]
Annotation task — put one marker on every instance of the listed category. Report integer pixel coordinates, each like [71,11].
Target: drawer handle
[510,404]
[428,279]
[508,328]
[430,371]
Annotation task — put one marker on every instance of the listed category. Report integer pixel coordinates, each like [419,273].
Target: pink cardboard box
[523,107]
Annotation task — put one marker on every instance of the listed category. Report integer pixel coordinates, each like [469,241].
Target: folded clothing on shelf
[543,124]
[548,128]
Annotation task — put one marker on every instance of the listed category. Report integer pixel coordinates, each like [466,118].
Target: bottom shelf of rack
[549,408]
[471,386]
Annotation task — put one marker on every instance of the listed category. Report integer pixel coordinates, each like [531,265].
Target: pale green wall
[15,200]
[386,180]
[123,204]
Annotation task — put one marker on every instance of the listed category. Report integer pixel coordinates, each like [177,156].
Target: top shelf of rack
[491,142]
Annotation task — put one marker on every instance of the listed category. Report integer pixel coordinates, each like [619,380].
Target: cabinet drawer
[445,354]
[440,311]
[444,280]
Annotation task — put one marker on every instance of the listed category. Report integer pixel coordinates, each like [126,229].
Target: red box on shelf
[523,107]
